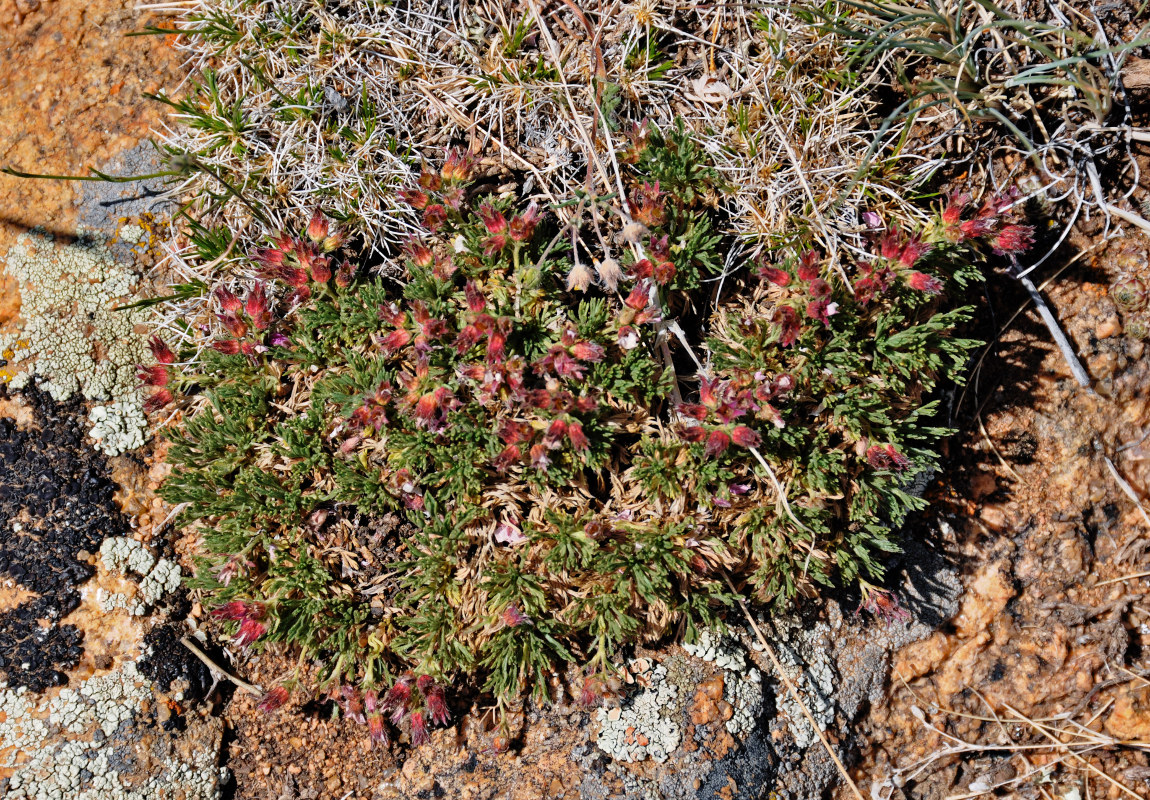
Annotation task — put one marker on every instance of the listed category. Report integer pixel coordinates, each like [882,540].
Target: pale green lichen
[646,726]
[118,427]
[811,668]
[742,685]
[652,723]
[73,340]
[84,743]
[132,234]
[158,576]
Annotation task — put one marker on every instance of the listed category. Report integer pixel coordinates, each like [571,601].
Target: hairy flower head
[921,282]
[1013,239]
[610,273]
[160,351]
[273,699]
[579,278]
[522,226]
[317,227]
[154,375]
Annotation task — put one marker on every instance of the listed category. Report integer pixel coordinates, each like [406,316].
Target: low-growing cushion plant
[520,452]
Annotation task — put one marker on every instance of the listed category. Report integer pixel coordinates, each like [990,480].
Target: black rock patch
[167,662]
[56,503]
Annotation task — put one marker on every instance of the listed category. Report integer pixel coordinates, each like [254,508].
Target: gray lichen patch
[652,723]
[159,576]
[719,649]
[118,427]
[744,693]
[742,686]
[806,655]
[95,742]
[72,340]
[647,726]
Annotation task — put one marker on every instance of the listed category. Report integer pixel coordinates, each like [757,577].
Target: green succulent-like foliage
[498,462]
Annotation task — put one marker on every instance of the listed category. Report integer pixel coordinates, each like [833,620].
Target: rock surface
[71,97]
[1053,624]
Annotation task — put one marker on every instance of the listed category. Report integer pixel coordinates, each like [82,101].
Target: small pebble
[1109,327]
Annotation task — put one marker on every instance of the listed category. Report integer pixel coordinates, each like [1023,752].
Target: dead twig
[218,671]
[1051,322]
[1127,489]
[770,651]
[1058,744]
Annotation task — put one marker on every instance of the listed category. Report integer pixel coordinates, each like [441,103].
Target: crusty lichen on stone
[159,576]
[651,724]
[742,687]
[645,727]
[87,743]
[73,340]
[118,427]
[813,673]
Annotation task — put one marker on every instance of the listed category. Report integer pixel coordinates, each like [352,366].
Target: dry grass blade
[794,692]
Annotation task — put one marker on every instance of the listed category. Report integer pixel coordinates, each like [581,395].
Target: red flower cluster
[248,615]
[638,309]
[241,318]
[883,604]
[816,294]
[462,358]
[249,327]
[875,278]
[774,275]
[158,374]
[648,205]
[905,250]
[305,264]
[535,443]
[592,691]
[512,617]
[426,398]
[502,233]
[374,717]
[372,415]
[321,233]
[896,256]
[921,282]
[991,223]
[886,457]
[419,329]
[458,166]
[419,701]
[274,699]
[724,402]
[502,384]
[440,197]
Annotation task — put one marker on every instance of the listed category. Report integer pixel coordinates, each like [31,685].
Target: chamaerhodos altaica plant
[499,459]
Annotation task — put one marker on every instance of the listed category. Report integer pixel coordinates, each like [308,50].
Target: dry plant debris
[335,105]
